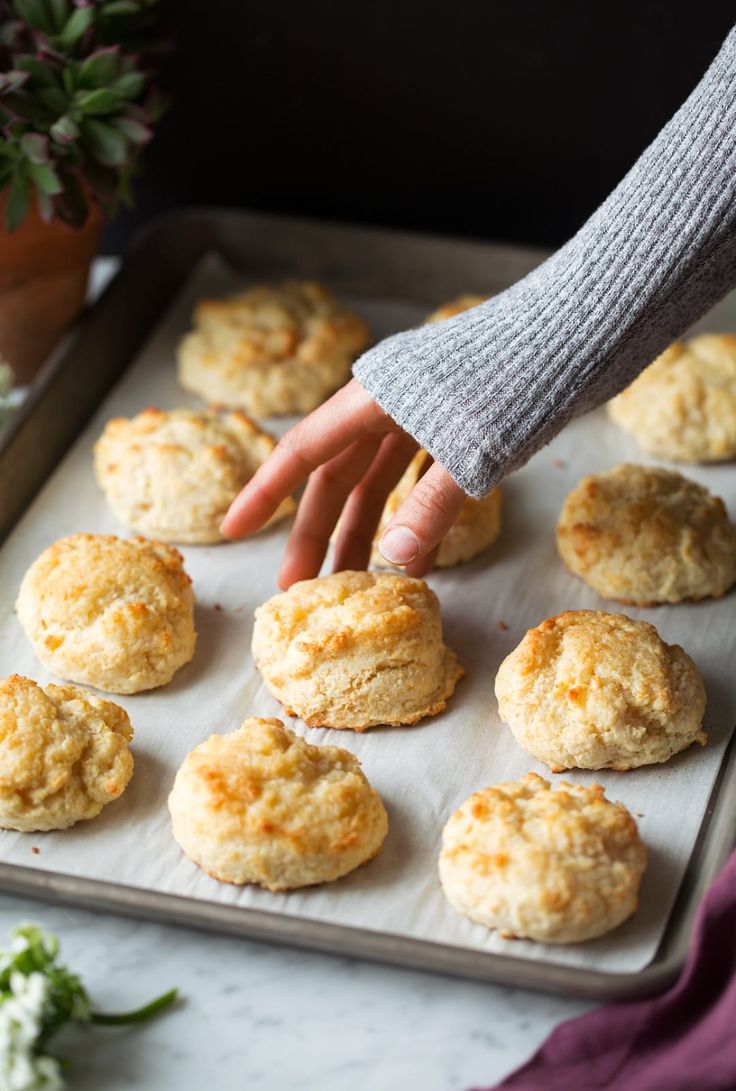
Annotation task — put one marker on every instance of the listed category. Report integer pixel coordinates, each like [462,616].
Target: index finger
[345,417]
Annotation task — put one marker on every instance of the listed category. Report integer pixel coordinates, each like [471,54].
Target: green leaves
[51,996]
[35,952]
[53,98]
[101,101]
[65,130]
[130,85]
[16,208]
[104,142]
[58,13]
[23,166]
[35,147]
[35,14]
[45,178]
[99,68]
[121,7]
[43,75]
[12,81]
[76,107]
[134,131]
[76,26]
[24,105]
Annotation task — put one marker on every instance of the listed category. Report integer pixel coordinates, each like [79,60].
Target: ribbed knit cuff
[484,390]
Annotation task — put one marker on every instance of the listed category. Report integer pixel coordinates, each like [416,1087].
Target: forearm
[485,390]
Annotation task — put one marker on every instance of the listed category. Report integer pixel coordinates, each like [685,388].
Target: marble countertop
[253,1015]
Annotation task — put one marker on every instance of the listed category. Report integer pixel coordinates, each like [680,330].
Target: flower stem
[139,1015]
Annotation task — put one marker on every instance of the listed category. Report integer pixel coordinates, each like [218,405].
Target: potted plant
[76,108]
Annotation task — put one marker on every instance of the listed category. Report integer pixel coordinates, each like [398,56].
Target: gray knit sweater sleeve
[485,390]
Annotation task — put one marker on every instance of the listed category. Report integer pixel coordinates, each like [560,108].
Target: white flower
[21,1020]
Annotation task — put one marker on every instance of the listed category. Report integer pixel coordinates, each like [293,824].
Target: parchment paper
[421,772]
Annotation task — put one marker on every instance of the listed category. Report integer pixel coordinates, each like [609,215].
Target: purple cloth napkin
[683,1040]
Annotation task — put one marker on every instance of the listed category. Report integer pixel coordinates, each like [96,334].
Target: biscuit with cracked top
[556,865]
[356,650]
[591,690]
[114,613]
[260,805]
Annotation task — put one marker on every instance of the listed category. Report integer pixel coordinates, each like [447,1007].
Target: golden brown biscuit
[271,350]
[645,535]
[173,475]
[455,306]
[476,528]
[557,865]
[63,755]
[261,805]
[354,650]
[683,406]
[113,613]
[591,690]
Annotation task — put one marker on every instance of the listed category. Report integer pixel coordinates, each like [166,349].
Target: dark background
[502,120]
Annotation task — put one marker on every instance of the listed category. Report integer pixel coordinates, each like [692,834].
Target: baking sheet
[422,772]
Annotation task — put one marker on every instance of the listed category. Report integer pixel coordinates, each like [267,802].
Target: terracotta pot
[43,280]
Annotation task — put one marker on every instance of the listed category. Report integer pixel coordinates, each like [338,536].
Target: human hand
[353,454]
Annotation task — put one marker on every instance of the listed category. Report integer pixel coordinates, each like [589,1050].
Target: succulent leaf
[58,12]
[101,101]
[35,147]
[26,107]
[42,75]
[11,32]
[75,27]
[12,81]
[45,178]
[129,85]
[99,69]
[135,131]
[106,144]
[16,208]
[65,130]
[67,78]
[54,98]
[120,7]
[35,14]
[76,103]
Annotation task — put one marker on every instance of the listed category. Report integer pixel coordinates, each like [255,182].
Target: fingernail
[399,545]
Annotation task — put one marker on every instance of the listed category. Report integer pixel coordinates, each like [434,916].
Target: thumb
[424,518]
